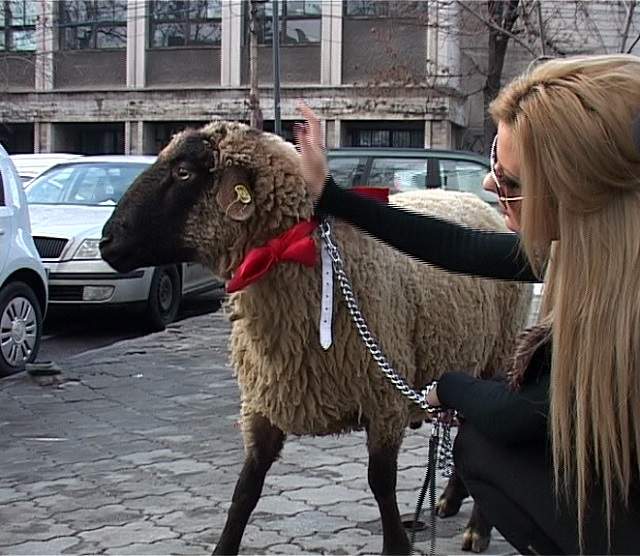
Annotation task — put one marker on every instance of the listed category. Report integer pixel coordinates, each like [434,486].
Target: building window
[300,22]
[18,25]
[385,8]
[398,138]
[185,23]
[93,24]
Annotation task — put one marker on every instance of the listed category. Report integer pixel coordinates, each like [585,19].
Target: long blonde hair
[571,123]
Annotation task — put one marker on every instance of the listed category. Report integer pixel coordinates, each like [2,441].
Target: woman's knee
[471,450]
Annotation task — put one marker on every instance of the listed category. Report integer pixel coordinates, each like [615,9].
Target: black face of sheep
[211,196]
[147,227]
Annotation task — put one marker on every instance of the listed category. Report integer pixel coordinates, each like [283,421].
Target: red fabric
[294,245]
[377,193]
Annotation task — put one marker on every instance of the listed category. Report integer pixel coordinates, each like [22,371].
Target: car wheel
[20,327]
[164,297]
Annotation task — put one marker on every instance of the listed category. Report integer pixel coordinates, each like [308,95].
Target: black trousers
[513,487]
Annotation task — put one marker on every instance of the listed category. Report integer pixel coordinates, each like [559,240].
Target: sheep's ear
[234,194]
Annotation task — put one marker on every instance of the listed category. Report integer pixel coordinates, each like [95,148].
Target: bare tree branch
[630,6]
[499,29]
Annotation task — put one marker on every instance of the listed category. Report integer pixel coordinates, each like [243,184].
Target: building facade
[122,76]
[117,76]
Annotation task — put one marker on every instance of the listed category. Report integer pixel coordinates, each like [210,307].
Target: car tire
[20,327]
[164,298]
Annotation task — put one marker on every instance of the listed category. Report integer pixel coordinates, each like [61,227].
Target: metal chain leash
[419,398]
[440,445]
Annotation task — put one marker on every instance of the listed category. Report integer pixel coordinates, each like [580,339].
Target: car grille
[65,293]
[49,247]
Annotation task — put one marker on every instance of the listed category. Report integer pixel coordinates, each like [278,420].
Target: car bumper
[94,283]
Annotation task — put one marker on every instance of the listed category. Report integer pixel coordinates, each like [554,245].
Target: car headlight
[89,249]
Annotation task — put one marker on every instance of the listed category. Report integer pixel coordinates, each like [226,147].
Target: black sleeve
[495,410]
[450,246]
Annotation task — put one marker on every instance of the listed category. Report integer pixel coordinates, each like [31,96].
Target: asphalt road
[67,334]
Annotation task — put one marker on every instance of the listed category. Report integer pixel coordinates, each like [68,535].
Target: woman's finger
[313,123]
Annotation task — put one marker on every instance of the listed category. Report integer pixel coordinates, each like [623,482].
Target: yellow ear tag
[242,194]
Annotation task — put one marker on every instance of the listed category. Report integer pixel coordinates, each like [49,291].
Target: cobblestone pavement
[135,449]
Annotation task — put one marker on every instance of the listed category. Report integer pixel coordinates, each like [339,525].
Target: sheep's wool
[428,321]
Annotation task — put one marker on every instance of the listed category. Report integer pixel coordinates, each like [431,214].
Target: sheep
[216,193]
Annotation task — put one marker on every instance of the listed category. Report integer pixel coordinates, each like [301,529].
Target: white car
[23,280]
[30,166]
[69,205]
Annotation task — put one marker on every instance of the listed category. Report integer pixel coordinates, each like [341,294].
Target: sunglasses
[503,183]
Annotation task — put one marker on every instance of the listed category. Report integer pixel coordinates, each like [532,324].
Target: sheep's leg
[477,534]
[383,467]
[452,497]
[264,442]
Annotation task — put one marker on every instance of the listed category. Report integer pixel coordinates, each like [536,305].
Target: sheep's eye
[183,174]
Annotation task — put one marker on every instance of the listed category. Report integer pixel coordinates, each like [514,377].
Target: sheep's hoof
[472,541]
[447,507]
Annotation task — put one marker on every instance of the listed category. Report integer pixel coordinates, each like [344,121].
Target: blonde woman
[552,456]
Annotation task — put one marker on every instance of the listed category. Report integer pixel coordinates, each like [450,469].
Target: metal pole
[275,26]
[255,114]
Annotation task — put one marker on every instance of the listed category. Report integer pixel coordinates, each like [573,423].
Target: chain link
[419,398]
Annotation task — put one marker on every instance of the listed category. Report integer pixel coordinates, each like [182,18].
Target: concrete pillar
[334,132]
[449,62]
[231,51]
[45,44]
[440,134]
[137,33]
[331,43]
[428,143]
[134,137]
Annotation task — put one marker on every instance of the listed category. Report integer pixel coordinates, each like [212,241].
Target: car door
[348,171]
[6,221]
[196,276]
[465,175]
[398,173]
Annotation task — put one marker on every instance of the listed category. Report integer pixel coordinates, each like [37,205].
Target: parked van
[23,281]
[406,169]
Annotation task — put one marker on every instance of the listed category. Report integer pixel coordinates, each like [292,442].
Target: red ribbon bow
[294,245]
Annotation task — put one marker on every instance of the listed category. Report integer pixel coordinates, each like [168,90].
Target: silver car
[69,204]
[23,281]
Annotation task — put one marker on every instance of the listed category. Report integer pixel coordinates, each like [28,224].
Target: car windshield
[96,183]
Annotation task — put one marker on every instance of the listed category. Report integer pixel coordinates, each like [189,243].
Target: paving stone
[330,494]
[255,537]
[162,504]
[142,532]
[143,458]
[35,530]
[347,541]
[93,518]
[305,523]
[173,546]
[53,546]
[193,521]
[354,511]
[112,462]
[280,506]
[180,467]
[290,548]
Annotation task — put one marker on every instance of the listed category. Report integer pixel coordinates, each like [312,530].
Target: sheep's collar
[294,245]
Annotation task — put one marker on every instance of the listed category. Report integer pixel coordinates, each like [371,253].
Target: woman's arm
[450,246]
[497,411]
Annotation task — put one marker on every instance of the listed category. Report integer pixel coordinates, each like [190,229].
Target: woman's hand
[309,141]
[432,396]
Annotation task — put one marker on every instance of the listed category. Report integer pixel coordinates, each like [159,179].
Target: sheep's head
[212,194]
